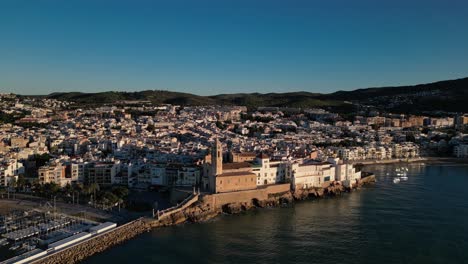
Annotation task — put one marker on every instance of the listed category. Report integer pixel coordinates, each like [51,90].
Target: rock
[232,208]
[366,180]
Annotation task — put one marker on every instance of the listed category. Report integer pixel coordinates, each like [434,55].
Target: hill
[449,95]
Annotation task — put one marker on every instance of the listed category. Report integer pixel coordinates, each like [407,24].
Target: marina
[27,235]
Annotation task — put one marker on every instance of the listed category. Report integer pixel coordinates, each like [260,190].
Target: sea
[421,220]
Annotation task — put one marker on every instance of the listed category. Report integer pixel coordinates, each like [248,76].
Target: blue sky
[210,47]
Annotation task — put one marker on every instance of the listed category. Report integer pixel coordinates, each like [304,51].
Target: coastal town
[114,163]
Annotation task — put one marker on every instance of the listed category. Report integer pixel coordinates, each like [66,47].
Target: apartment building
[308,174]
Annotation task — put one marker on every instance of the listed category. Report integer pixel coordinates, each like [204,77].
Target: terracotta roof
[247,154]
[236,165]
[314,162]
[240,173]
[263,156]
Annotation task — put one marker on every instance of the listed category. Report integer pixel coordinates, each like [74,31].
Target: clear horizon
[214,47]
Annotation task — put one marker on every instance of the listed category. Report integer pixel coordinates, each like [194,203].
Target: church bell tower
[217,158]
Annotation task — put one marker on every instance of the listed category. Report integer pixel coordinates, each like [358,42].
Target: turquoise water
[422,220]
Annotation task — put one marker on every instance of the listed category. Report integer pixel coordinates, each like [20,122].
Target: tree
[78,187]
[20,183]
[42,159]
[108,199]
[51,189]
[220,125]
[410,138]
[150,128]
[67,190]
[37,188]
[120,191]
[91,188]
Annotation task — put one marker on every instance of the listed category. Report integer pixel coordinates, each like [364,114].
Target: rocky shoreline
[201,211]
[198,212]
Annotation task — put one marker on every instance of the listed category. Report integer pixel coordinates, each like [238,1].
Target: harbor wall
[218,200]
[205,207]
[96,244]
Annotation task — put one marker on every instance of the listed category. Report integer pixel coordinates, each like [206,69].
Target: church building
[229,177]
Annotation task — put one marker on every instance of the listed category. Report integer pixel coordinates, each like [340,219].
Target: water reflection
[421,220]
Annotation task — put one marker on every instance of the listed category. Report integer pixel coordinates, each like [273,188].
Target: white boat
[404,178]
[14,247]
[396,180]
[3,242]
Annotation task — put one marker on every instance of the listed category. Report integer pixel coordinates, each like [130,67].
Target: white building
[461,151]
[346,173]
[188,176]
[9,171]
[78,172]
[310,174]
[270,172]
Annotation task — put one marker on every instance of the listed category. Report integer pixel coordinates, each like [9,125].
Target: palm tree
[20,182]
[37,188]
[78,187]
[91,190]
[67,191]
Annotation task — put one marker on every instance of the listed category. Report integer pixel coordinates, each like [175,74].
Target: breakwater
[204,208]
[97,244]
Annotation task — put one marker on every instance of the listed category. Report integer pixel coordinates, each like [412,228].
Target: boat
[3,242]
[396,180]
[404,178]
[15,247]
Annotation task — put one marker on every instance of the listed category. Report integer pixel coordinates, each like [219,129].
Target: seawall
[207,207]
[391,161]
[97,244]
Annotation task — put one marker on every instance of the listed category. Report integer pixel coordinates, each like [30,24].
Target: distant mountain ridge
[451,95]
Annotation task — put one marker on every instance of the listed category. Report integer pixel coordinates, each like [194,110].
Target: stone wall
[178,196]
[210,205]
[262,193]
[96,244]
[239,181]
[207,207]
[367,180]
[180,207]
